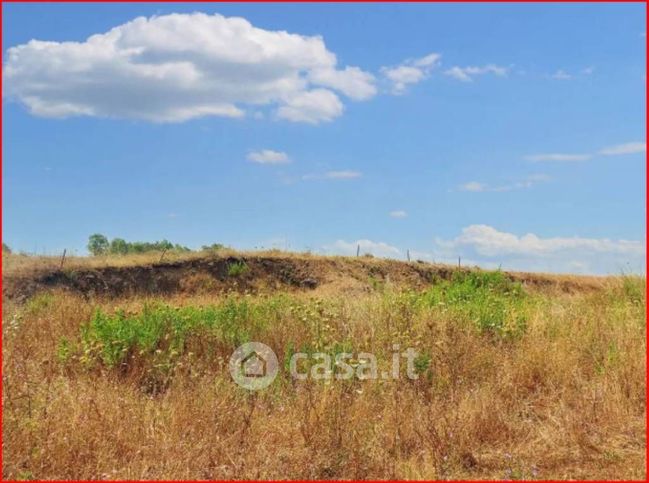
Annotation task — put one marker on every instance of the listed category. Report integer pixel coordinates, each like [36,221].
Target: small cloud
[561,75]
[627,148]
[561,157]
[466,74]
[172,215]
[268,156]
[527,182]
[344,174]
[588,70]
[398,214]
[473,186]
[411,71]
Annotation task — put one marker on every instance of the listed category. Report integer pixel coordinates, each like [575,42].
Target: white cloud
[488,241]
[311,107]
[352,81]
[378,249]
[398,214]
[627,148]
[343,174]
[473,186]
[617,150]
[176,67]
[532,252]
[268,156]
[561,75]
[466,74]
[557,157]
[411,71]
[527,182]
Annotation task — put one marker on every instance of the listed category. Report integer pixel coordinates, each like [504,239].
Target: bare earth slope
[263,272]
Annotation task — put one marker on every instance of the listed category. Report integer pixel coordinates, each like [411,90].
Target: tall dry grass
[562,396]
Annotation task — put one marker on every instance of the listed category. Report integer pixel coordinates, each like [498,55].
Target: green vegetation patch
[160,329]
[491,300]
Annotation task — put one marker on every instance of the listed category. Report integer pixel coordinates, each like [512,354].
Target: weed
[490,300]
[236,269]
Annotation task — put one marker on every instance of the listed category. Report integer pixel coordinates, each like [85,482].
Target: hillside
[122,368]
[265,272]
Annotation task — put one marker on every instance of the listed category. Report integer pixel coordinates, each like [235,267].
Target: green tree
[214,246]
[118,246]
[98,244]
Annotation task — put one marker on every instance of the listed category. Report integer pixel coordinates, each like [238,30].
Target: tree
[214,246]
[97,244]
[6,249]
[118,246]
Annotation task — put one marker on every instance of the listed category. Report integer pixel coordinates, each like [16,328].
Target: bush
[490,300]
[236,269]
[118,246]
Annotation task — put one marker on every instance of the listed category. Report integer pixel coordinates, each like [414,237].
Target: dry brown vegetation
[516,381]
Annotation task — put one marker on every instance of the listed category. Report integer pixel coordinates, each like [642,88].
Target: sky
[511,135]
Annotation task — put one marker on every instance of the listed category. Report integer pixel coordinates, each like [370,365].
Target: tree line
[99,244]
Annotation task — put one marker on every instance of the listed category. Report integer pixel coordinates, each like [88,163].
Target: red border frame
[333,1]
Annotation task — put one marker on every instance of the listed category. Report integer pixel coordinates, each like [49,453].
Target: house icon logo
[253,366]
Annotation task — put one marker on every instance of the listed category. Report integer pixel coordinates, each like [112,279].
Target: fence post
[163,254]
[408,254]
[459,262]
[358,249]
[63,258]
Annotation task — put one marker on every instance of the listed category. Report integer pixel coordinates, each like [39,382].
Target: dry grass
[562,398]
[19,265]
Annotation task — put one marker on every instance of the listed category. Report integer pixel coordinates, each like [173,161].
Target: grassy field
[514,381]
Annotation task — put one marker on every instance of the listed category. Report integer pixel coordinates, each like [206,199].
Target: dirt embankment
[255,273]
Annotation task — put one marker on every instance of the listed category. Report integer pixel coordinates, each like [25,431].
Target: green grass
[163,330]
[490,300]
[236,269]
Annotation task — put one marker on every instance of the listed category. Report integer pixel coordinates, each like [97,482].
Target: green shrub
[490,300]
[160,331]
[236,269]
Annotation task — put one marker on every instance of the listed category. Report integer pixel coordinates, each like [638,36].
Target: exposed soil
[263,273]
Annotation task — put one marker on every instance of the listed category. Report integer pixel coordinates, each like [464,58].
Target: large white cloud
[177,67]
[532,252]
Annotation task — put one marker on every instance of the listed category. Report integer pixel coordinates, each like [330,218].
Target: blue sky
[510,135]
